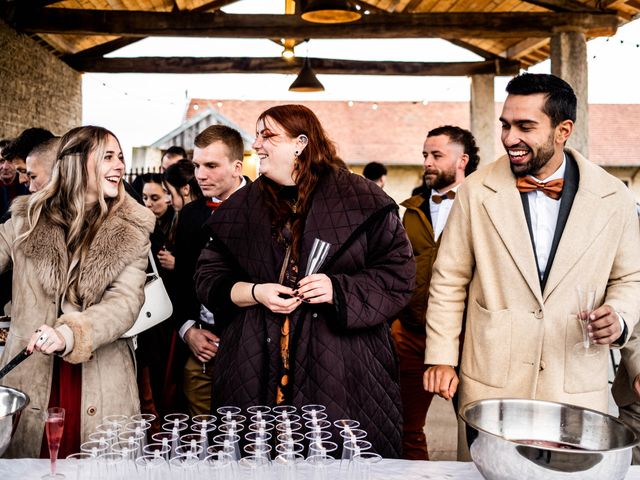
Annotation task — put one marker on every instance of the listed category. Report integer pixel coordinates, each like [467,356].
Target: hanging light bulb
[306,81]
[330,11]
[288,52]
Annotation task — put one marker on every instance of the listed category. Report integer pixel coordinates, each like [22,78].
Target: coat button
[268,339]
[91,410]
[315,315]
[538,313]
[542,365]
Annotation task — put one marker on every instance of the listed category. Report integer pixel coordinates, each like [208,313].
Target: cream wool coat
[112,287]
[519,339]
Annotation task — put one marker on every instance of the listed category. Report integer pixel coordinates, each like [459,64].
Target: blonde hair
[62,202]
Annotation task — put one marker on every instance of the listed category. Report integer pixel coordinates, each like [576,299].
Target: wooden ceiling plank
[411,6]
[199,65]
[190,24]
[475,49]
[563,5]
[525,46]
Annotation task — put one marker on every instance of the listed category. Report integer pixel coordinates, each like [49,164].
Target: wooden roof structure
[507,34]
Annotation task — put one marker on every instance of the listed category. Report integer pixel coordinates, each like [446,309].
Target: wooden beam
[213,5]
[199,65]
[564,6]
[427,25]
[525,47]
[102,49]
[487,55]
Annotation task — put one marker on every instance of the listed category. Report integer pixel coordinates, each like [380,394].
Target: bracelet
[253,292]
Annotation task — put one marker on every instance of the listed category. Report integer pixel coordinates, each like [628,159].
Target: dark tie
[451,194]
[552,189]
[213,205]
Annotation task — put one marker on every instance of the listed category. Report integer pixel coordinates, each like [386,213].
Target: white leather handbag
[157,306]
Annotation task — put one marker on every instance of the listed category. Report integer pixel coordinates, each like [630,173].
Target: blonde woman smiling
[79,253]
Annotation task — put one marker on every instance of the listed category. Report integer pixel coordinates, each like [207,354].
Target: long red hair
[318,158]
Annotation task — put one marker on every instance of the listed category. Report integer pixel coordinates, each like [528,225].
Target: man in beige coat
[516,257]
[626,386]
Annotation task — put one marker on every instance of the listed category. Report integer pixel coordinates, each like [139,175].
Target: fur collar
[117,243]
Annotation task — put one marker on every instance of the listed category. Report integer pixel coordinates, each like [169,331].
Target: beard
[538,160]
[439,179]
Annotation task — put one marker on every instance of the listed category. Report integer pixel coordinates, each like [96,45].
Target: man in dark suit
[218,158]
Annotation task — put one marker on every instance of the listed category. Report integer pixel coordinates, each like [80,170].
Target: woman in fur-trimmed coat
[79,254]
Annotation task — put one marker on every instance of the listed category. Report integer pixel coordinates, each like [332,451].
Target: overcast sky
[141,108]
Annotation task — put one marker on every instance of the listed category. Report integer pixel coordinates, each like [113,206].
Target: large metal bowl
[12,402]
[534,439]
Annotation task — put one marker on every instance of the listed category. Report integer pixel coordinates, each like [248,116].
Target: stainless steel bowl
[534,439]
[12,402]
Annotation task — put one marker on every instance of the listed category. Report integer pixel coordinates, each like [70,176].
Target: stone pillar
[569,62]
[483,121]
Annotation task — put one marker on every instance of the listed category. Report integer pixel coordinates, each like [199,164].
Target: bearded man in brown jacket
[450,153]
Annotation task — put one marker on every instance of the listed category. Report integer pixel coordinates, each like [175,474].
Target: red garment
[66,392]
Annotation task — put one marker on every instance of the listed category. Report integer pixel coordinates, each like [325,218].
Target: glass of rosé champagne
[54,425]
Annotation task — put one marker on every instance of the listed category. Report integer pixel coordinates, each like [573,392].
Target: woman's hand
[316,288]
[166,259]
[276,297]
[46,340]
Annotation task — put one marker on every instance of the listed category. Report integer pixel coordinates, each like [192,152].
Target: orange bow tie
[552,189]
[451,194]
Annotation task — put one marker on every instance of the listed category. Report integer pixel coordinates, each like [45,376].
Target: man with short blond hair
[217,157]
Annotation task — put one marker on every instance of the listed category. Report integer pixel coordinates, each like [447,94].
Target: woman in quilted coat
[291,338]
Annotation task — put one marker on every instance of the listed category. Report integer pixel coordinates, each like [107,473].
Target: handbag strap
[152,262]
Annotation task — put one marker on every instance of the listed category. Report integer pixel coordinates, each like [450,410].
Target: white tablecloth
[30,469]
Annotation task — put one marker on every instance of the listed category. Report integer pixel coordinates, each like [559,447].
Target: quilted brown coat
[112,288]
[341,355]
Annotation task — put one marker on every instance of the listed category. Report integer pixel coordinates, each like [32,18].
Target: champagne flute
[586,298]
[54,425]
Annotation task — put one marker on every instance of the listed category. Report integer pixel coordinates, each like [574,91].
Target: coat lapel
[587,219]
[507,216]
[571,180]
[340,209]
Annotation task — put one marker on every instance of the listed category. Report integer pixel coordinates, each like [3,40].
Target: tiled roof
[393,133]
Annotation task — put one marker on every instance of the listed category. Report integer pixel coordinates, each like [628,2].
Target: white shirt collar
[242,184]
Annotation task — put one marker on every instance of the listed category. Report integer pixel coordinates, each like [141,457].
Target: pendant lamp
[330,11]
[306,80]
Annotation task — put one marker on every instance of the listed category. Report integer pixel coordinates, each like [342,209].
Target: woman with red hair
[293,336]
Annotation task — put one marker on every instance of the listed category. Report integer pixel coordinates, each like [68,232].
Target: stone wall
[36,88]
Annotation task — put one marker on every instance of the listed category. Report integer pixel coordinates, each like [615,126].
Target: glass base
[588,351]
[55,476]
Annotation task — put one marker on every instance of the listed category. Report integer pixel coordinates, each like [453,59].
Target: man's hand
[202,343]
[636,387]
[604,327]
[441,379]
